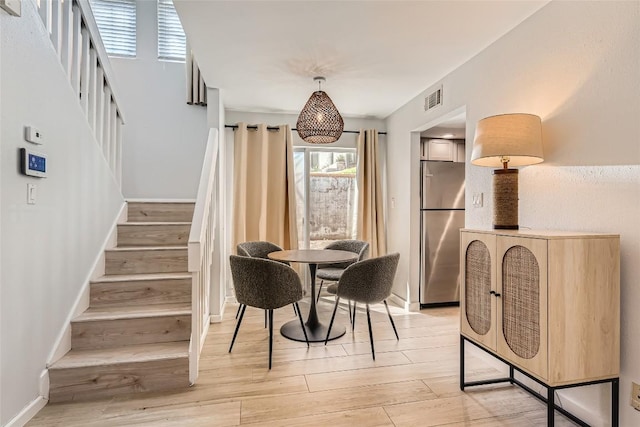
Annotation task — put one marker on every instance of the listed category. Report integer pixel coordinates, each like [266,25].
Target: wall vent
[433,100]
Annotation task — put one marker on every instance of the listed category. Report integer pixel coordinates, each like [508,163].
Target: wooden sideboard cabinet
[546,303]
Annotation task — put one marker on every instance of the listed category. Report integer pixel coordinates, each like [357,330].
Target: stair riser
[95,382]
[146,261]
[160,212]
[141,292]
[120,332]
[153,235]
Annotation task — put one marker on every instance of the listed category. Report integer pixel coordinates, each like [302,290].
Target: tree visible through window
[116,21]
[171,39]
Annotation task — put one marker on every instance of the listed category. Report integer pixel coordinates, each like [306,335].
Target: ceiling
[375,55]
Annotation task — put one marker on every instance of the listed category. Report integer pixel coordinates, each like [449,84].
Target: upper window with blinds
[116,21]
[171,39]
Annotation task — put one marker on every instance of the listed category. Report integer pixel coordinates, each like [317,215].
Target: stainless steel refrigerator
[442,216]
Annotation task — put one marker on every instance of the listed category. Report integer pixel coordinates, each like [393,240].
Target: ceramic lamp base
[505,199]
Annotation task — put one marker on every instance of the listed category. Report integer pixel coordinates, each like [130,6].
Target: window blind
[116,21]
[171,38]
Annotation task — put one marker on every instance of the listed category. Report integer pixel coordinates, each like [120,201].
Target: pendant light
[319,121]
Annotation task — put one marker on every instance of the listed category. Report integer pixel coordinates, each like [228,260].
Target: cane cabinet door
[522,302]
[477,301]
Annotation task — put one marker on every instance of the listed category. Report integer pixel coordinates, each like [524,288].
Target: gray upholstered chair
[258,249]
[332,272]
[265,284]
[369,281]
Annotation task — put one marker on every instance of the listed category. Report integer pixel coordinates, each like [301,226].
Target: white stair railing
[76,39]
[200,252]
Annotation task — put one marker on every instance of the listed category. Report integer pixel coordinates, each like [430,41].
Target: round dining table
[316,331]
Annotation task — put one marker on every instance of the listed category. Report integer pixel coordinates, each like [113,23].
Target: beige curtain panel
[264,204]
[196,88]
[371,223]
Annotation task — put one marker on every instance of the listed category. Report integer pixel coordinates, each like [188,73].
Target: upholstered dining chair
[258,249]
[265,284]
[368,281]
[332,272]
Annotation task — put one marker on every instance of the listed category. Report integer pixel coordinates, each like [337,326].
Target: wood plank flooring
[412,382]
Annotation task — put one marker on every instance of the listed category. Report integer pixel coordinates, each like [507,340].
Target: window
[171,39]
[116,21]
[326,195]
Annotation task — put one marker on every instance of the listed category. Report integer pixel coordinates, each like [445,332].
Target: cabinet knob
[494,293]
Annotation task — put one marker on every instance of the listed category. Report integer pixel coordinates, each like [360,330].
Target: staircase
[134,337]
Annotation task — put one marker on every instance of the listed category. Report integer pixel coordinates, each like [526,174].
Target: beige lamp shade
[517,137]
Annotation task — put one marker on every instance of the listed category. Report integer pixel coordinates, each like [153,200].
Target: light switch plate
[477,200]
[31,194]
[13,7]
[635,396]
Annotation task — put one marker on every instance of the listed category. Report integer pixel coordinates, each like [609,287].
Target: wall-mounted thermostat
[32,163]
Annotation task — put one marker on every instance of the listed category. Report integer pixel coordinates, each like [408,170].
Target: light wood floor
[413,382]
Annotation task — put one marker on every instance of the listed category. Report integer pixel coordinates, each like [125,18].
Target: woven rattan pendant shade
[319,121]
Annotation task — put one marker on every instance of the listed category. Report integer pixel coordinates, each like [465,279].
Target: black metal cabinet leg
[551,406]
[461,363]
[615,402]
[511,374]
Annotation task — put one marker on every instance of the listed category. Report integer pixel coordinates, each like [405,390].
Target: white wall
[165,139]
[48,248]
[575,64]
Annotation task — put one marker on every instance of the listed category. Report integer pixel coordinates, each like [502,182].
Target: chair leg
[295,309]
[373,352]
[333,316]
[306,338]
[235,334]
[319,290]
[350,319]
[270,336]
[391,319]
[238,312]
[353,324]
[266,317]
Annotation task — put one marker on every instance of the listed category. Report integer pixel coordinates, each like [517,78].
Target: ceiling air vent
[433,99]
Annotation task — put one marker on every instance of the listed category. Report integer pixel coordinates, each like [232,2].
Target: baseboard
[404,304]
[578,409]
[161,200]
[217,318]
[27,412]
[63,341]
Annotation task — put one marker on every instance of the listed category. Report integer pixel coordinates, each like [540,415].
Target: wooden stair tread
[113,278]
[125,354]
[145,248]
[133,312]
[135,224]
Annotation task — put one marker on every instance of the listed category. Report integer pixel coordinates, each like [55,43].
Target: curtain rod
[254,127]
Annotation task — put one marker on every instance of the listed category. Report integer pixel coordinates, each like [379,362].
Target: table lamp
[502,141]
